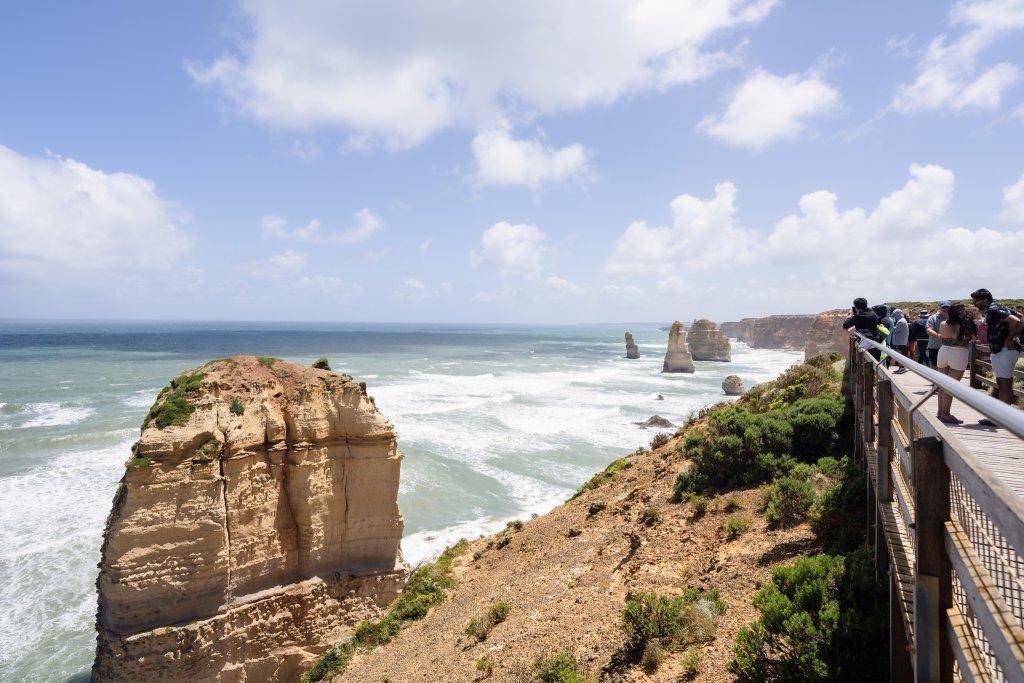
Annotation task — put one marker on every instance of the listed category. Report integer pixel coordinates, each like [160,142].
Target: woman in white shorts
[956,333]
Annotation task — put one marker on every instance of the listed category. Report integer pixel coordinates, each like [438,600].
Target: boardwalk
[946,515]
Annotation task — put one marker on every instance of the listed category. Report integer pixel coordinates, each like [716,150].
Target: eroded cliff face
[827,334]
[787,332]
[707,342]
[257,523]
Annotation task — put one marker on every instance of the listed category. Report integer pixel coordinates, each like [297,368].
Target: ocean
[497,422]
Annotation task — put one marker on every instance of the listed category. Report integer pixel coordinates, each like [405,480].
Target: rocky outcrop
[707,342]
[655,422]
[787,332]
[631,348]
[677,358]
[732,385]
[256,524]
[827,334]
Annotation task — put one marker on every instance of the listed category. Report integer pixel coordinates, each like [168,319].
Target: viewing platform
[946,518]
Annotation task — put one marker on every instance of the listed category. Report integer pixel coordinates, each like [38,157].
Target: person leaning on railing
[1004,329]
[956,334]
[864,320]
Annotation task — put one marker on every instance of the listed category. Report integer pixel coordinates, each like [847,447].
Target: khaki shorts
[1003,362]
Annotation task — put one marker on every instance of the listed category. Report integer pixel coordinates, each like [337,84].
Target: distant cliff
[827,334]
[256,524]
[773,332]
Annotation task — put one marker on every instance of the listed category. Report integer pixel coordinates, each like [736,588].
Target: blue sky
[573,161]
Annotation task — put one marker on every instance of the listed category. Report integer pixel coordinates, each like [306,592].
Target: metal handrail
[1004,415]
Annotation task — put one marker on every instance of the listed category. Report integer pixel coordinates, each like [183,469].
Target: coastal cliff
[256,524]
[787,332]
[707,342]
[827,334]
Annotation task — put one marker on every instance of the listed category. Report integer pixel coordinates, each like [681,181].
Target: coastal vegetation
[236,407]
[172,406]
[427,587]
[322,364]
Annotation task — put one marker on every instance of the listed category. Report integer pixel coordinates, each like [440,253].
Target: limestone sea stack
[707,342]
[827,334]
[677,358]
[732,385]
[256,525]
[631,348]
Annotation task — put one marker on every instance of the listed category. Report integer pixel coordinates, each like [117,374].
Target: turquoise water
[496,422]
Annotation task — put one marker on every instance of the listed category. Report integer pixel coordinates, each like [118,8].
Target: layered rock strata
[787,332]
[732,385]
[827,334]
[631,348]
[677,358]
[256,524]
[707,342]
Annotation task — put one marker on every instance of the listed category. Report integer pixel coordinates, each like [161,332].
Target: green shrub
[236,407]
[731,504]
[822,619]
[514,525]
[504,539]
[648,616]
[691,661]
[659,440]
[444,562]
[321,364]
[266,362]
[479,628]
[498,612]
[840,501]
[699,503]
[735,527]
[330,664]
[739,447]
[485,665]
[653,657]
[596,507]
[787,502]
[139,461]
[560,668]
[172,406]
[607,474]
[650,516]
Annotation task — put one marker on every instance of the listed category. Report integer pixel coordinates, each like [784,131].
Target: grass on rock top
[172,406]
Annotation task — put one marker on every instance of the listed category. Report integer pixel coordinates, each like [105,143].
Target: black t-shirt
[919,329]
[865,322]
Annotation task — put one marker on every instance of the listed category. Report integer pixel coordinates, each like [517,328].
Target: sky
[482,162]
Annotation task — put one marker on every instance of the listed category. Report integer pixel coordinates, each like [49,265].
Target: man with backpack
[865,321]
[919,337]
[1004,329]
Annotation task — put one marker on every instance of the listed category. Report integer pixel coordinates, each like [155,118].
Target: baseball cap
[944,304]
[922,312]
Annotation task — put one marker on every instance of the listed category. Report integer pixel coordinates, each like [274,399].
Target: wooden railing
[948,530]
[981,370]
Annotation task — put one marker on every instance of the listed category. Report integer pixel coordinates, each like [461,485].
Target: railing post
[883,482]
[933,657]
[973,364]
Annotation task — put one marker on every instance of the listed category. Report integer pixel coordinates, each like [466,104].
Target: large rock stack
[707,342]
[631,348]
[256,524]
[678,358]
[827,334]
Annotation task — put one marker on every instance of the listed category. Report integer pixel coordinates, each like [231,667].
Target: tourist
[919,337]
[900,337]
[864,321]
[1003,329]
[955,336]
[934,340]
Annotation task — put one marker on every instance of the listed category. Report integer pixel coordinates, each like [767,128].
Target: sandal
[987,422]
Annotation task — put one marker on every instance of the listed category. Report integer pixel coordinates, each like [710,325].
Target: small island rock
[631,348]
[655,422]
[732,386]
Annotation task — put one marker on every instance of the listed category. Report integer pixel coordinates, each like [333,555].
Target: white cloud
[950,74]
[400,70]
[425,245]
[287,264]
[767,108]
[704,235]
[504,295]
[366,225]
[1013,203]
[58,216]
[414,291]
[518,248]
[502,160]
[559,286]
[328,286]
[856,249]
